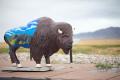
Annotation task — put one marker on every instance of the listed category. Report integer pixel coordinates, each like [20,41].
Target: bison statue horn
[59,31]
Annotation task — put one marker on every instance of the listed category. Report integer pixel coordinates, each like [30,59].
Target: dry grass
[100,42]
[111,46]
[4,48]
[106,47]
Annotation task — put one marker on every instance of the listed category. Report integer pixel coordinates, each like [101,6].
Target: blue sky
[83,15]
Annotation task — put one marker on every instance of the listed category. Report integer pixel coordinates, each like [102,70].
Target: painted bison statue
[43,36]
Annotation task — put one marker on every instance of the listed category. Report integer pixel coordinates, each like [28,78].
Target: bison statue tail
[6,40]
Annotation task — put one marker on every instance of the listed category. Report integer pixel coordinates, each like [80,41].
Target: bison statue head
[64,36]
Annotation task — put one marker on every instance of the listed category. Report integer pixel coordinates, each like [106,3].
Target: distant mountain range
[107,33]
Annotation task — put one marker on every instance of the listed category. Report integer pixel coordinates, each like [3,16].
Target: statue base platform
[27,69]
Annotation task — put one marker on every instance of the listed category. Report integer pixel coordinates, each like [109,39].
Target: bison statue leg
[14,59]
[36,54]
[12,53]
[47,58]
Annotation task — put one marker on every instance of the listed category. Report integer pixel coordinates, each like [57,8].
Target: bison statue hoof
[38,66]
[14,64]
[48,65]
[19,65]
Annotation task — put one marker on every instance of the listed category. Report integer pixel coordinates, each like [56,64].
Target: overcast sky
[83,15]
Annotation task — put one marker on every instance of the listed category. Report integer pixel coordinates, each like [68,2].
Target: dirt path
[63,71]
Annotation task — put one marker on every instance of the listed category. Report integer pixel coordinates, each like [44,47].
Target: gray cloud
[14,13]
[61,8]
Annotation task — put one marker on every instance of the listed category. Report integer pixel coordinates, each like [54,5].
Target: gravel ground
[81,71]
[77,58]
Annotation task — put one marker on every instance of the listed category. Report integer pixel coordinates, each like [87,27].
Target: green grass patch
[3,50]
[105,46]
[85,49]
[6,50]
[97,49]
[82,49]
[105,66]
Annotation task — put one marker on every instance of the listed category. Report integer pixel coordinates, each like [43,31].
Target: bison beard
[46,40]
